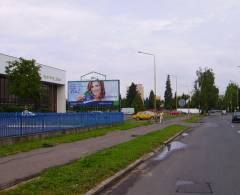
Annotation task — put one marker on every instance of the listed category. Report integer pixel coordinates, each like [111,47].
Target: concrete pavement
[23,166]
[204,161]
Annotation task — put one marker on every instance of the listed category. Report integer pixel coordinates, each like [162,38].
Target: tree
[24,79]
[168,94]
[151,100]
[137,103]
[146,103]
[206,93]
[131,93]
[231,97]
[134,99]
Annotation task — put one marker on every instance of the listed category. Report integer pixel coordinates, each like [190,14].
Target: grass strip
[194,119]
[51,141]
[82,175]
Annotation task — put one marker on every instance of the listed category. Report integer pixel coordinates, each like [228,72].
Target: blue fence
[18,124]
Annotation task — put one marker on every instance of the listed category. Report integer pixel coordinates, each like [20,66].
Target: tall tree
[24,79]
[151,100]
[134,99]
[168,94]
[131,93]
[231,97]
[206,93]
[146,103]
[138,103]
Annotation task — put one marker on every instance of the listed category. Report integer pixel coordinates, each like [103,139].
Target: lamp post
[154,75]
[237,93]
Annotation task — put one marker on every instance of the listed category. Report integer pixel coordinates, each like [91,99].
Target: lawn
[81,175]
[51,141]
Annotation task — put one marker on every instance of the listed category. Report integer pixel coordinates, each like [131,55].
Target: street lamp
[237,92]
[154,63]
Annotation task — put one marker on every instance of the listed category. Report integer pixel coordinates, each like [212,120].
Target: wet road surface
[205,160]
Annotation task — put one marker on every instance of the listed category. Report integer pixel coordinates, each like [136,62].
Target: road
[206,160]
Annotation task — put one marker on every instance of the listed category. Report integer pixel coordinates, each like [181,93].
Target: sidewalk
[23,166]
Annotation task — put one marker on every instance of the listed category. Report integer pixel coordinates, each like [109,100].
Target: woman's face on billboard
[96,89]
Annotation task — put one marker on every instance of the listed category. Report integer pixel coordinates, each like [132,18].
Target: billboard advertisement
[93,93]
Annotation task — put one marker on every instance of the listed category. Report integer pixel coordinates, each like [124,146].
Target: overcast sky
[105,35]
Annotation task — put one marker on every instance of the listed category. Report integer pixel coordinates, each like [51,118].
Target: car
[236,117]
[147,115]
[27,113]
[175,113]
[224,112]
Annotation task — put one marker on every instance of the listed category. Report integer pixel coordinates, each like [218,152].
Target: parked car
[224,112]
[236,117]
[27,113]
[175,113]
[147,115]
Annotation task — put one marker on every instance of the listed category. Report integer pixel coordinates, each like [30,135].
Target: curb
[116,177]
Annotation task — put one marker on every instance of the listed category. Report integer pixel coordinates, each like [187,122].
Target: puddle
[175,145]
[238,131]
[185,134]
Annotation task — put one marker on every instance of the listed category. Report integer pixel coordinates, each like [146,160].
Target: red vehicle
[175,113]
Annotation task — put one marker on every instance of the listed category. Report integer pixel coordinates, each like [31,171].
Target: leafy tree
[206,93]
[230,97]
[24,79]
[168,94]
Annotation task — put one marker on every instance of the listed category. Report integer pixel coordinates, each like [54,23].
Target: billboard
[94,93]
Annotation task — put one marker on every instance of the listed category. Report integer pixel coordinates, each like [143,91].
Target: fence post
[21,125]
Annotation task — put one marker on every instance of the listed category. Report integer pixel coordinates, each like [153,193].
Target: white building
[53,83]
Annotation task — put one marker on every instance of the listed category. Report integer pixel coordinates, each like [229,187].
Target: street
[205,160]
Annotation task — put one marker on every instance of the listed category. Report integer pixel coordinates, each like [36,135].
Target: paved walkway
[23,166]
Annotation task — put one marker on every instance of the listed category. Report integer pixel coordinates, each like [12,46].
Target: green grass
[51,141]
[81,175]
[194,119]
[169,117]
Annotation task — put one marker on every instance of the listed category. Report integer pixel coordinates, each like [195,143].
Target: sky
[81,36]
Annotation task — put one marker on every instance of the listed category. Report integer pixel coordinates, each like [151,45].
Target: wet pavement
[205,160]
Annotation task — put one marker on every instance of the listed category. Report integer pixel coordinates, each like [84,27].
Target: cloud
[81,36]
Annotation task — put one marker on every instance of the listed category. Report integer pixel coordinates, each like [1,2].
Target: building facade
[140,90]
[53,80]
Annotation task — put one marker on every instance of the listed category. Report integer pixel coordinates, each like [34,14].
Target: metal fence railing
[19,124]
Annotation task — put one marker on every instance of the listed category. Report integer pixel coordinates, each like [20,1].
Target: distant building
[53,83]
[140,90]
[158,97]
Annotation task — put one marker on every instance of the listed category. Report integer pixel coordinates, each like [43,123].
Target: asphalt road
[204,161]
